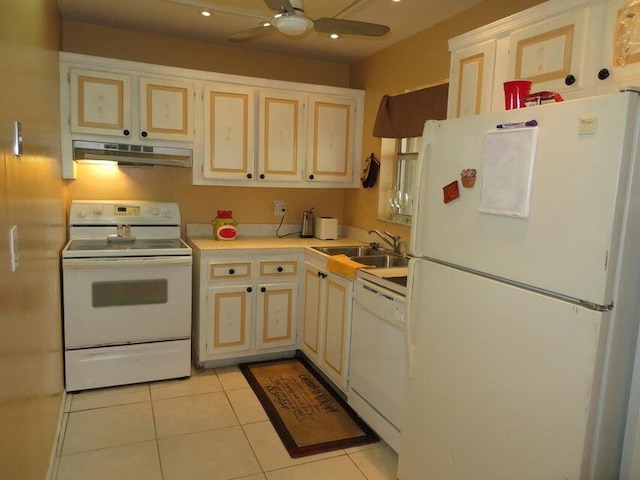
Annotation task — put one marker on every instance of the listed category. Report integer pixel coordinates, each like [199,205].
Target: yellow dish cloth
[343,265]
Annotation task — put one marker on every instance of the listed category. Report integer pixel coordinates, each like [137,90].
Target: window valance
[401,116]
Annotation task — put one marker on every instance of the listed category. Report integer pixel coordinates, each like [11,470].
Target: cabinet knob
[311,177]
[249,175]
[144,134]
[231,271]
[262,176]
[280,269]
[263,289]
[126,133]
[322,275]
[569,80]
[249,289]
[603,74]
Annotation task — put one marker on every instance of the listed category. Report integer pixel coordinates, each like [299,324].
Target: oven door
[115,301]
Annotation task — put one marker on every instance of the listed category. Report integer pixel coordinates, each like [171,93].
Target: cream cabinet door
[229,314]
[471,80]
[331,124]
[229,126]
[100,102]
[312,311]
[620,56]
[166,109]
[276,315]
[337,329]
[551,53]
[281,136]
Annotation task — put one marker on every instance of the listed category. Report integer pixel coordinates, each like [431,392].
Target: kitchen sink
[382,261]
[349,251]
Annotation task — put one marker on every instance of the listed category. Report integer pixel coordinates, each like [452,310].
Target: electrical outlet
[279,207]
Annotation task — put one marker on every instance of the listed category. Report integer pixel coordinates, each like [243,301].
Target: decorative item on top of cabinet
[229,118]
[101,104]
[330,144]
[282,135]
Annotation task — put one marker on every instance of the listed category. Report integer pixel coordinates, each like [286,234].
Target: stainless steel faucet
[392,240]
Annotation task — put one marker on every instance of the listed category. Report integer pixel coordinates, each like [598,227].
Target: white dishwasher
[378,360]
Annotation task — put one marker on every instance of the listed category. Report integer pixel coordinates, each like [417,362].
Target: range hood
[123,154]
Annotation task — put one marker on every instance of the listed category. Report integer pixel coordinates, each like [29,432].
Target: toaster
[326,228]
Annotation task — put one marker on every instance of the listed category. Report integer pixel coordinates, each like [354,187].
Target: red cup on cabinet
[514,93]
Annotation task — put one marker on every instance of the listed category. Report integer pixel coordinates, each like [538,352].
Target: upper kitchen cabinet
[102,104]
[281,136]
[564,46]
[284,135]
[471,80]
[229,119]
[550,53]
[617,69]
[234,130]
[166,109]
[331,127]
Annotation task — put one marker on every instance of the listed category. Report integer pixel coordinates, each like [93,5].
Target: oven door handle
[112,262]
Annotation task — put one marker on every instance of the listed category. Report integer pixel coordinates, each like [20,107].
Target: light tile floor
[207,427]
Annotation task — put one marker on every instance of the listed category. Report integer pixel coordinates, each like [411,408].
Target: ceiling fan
[291,20]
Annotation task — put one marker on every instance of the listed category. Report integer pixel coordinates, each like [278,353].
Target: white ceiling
[181,18]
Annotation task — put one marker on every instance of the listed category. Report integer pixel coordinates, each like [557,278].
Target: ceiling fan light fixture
[291,24]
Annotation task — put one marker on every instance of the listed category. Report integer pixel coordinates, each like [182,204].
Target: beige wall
[200,203]
[31,197]
[422,59]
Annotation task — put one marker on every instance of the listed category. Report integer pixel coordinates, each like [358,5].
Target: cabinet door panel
[281,136]
[471,80]
[166,109]
[313,311]
[331,124]
[548,52]
[276,315]
[228,327]
[336,340]
[100,102]
[229,130]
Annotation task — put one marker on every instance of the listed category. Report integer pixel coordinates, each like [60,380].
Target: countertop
[241,243]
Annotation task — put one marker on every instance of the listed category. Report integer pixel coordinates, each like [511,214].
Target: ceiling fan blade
[250,34]
[280,5]
[349,27]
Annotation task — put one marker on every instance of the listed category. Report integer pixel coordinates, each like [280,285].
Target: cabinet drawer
[279,268]
[228,270]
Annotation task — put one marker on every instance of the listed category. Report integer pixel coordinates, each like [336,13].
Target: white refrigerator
[523,299]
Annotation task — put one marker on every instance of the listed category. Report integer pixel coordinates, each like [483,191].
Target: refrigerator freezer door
[504,384]
[568,242]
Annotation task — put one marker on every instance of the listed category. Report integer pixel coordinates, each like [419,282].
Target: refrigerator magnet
[451,192]
[468,177]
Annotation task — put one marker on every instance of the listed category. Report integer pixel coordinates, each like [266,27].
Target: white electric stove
[127,294]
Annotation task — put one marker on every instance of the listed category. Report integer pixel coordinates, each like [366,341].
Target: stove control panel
[103,212]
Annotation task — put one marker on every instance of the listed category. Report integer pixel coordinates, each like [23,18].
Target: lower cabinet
[244,305]
[326,322]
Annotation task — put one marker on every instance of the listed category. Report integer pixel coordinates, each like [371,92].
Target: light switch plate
[14,255]
[17,138]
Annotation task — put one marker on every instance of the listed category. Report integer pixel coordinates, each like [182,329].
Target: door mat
[308,415]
